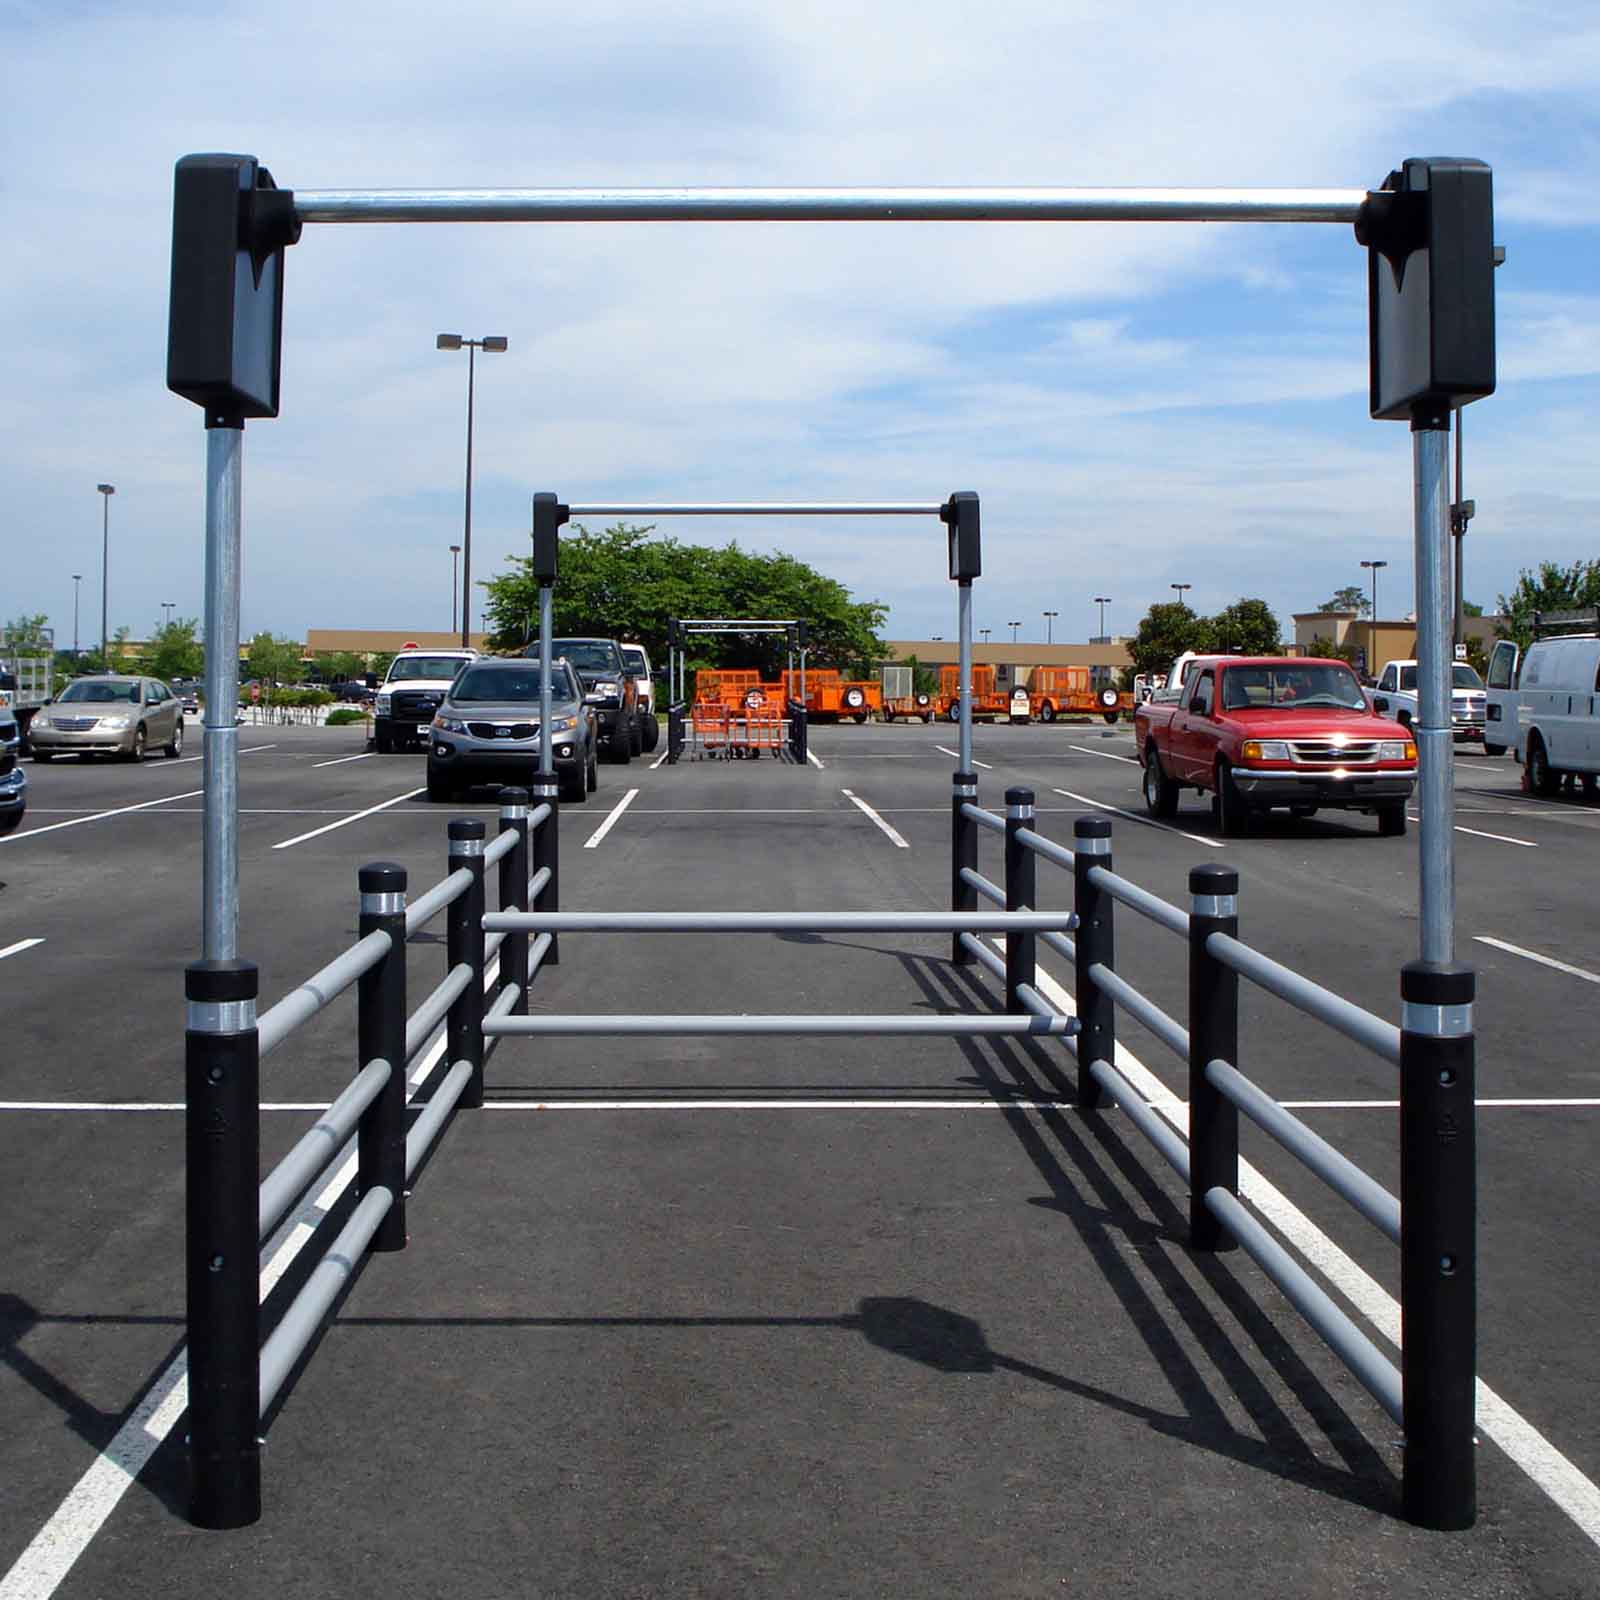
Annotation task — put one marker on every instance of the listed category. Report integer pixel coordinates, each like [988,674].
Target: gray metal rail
[421,1023]
[981,952]
[1167,1029]
[779,921]
[1061,944]
[320,989]
[318,1148]
[304,1316]
[1376,1374]
[723,1025]
[1147,1120]
[422,1133]
[539,815]
[536,884]
[984,819]
[1342,1175]
[427,906]
[1344,1016]
[502,844]
[1141,900]
[985,886]
[492,943]
[1047,848]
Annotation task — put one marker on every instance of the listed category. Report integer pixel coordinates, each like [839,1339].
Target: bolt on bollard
[1438,1242]
[1094,944]
[464,943]
[1021,892]
[514,895]
[1213,1036]
[222,1078]
[963,853]
[381,1036]
[546,845]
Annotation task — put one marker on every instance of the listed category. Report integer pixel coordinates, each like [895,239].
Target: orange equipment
[921,704]
[1069,692]
[830,697]
[987,699]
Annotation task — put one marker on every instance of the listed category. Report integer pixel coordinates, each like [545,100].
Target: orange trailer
[988,700]
[831,697]
[1068,692]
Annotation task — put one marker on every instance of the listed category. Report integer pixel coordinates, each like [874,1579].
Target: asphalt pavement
[754,1317]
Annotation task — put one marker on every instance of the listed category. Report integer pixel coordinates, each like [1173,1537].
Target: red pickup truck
[1261,732]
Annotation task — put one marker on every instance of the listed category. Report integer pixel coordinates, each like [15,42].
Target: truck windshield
[634,656]
[1461,677]
[590,656]
[424,667]
[1314,684]
[482,685]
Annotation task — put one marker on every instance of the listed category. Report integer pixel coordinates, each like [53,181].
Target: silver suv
[111,715]
[487,730]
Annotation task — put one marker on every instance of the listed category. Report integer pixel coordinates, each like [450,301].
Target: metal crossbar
[1168,1030]
[984,819]
[779,921]
[320,989]
[722,1024]
[1047,848]
[1141,900]
[427,906]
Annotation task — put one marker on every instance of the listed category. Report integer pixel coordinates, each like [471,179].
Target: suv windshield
[1284,688]
[101,693]
[424,667]
[482,685]
[587,655]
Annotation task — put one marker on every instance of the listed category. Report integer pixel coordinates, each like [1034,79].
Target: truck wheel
[1047,712]
[652,733]
[1539,776]
[1233,814]
[1160,792]
[1392,820]
[620,752]
[384,741]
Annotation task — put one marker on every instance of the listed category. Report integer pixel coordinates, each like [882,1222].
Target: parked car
[417,683]
[1545,704]
[487,730]
[1395,695]
[1264,732]
[638,663]
[608,690]
[114,714]
[13,791]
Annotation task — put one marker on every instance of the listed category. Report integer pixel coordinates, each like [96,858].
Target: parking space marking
[1533,955]
[894,837]
[96,816]
[811,756]
[593,841]
[987,766]
[364,756]
[356,816]
[1574,1494]
[1478,833]
[1149,822]
[1110,755]
[17,948]
[662,757]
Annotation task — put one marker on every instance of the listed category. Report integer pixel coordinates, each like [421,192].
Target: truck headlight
[1265,750]
[1397,750]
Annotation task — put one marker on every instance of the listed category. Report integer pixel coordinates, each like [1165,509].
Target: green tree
[1247,626]
[1552,588]
[1349,598]
[176,651]
[1165,631]
[623,583]
[1325,649]
[29,633]
[274,660]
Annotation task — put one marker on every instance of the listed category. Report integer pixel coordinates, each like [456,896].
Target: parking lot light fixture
[1013,626]
[1050,626]
[455,550]
[77,589]
[1102,600]
[1372,625]
[491,344]
[1182,588]
[106,491]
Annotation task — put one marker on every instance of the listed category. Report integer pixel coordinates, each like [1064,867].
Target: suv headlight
[383,705]
[448,724]
[1397,750]
[1265,750]
[563,724]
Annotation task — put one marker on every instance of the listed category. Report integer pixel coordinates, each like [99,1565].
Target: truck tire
[620,751]
[1160,791]
[1538,775]
[652,732]
[571,787]
[384,741]
[1047,712]
[1392,820]
[1233,812]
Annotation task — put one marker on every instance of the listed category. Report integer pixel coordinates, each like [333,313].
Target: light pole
[1050,625]
[455,550]
[1013,626]
[1372,627]
[986,632]
[169,606]
[490,344]
[1181,587]
[1102,600]
[1461,513]
[106,490]
[77,589]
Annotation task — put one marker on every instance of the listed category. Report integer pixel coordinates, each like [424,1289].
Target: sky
[1137,405]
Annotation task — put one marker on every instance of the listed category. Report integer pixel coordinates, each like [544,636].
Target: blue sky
[1137,405]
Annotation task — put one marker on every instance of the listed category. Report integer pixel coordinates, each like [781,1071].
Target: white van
[1544,704]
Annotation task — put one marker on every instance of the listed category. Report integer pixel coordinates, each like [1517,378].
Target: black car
[608,690]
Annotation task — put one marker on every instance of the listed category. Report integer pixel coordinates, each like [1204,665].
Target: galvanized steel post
[547,854]
[1430,449]
[220,733]
[514,895]
[222,1158]
[464,943]
[1094,944]
[1213,1036]
[1021,891]
[963,853]
[381,1036]
[1438,1242]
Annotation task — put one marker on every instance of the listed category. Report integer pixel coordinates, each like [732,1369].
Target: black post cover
[548,516]
[1429,234]
[230,226]
[960,514]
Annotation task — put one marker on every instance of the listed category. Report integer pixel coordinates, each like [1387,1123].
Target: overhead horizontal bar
[829,205]
[768,508]
[779,921]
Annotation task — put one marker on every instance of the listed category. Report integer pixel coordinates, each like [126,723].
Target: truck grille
[499,730]
[1324,753]
[413,706]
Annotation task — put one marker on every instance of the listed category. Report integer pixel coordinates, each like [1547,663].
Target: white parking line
[1108,754]
[812,758]
[987,766]
[1478,833]
[366,755]
[592,842]
[1560,1479]
[17,948]
[1149,822]
[1527,955]
[660,758]
[96,816]
[344,822]
[894,837]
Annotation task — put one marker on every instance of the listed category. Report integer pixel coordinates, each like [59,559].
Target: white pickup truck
[418,681]
[1396,696]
